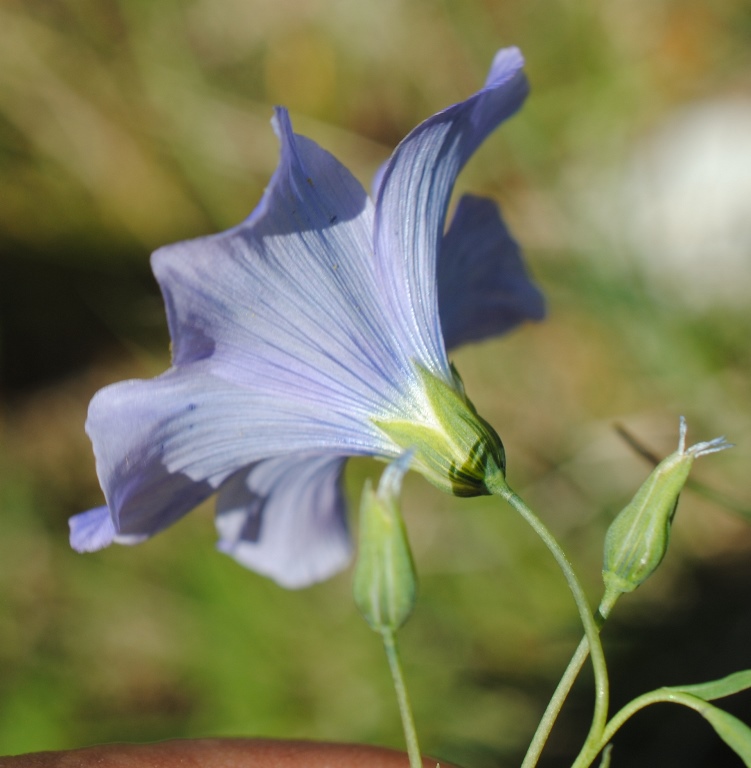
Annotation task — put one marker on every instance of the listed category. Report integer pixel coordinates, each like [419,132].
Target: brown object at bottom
[219,753]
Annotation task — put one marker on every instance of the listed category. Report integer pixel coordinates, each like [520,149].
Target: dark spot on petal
[192,406]
[333,218]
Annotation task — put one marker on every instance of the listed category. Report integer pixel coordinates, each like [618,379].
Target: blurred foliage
[126,124]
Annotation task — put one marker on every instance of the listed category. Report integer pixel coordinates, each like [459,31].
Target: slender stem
[408,723]
[605,762]
[590,752]
[591,630]
[564,686]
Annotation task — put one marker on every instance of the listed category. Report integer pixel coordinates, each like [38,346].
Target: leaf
[716,689]
[735,733]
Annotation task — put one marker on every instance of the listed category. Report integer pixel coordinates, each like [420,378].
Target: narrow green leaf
[735,733]
[716,689]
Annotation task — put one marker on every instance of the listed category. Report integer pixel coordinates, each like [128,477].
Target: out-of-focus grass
[125,125]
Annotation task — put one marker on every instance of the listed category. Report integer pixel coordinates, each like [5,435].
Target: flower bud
[385,583]
[637,539]
[454,448]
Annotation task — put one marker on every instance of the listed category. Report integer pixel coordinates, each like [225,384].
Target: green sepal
[454,447]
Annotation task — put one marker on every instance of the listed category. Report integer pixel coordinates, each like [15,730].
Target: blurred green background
[128,124]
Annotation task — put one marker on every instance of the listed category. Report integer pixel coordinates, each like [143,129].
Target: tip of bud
[700,449]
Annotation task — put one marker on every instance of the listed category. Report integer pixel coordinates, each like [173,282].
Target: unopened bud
[638,538]
[385,583]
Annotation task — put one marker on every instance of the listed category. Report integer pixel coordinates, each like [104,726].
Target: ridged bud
[385,583]
[638,538]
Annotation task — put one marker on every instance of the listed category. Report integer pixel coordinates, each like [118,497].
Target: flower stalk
[591,628]
[405,709]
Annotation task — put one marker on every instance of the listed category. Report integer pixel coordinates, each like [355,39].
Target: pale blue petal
[92,530]
[163,446]
[390,484]
[286,302]
[375,184]
[286,518]
[483,288]
[412,199]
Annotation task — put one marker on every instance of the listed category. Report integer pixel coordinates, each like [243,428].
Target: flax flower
[313,331]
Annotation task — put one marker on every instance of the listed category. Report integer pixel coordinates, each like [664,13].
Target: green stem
[590,751]
[591,630]
[564,686]
[408,723]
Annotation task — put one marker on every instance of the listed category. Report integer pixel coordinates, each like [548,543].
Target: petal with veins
[483,286]
[181,435]
[286,518]
[286,302]
[413,196]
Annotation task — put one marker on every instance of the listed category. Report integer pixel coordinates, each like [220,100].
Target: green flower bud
[637,539]
[385,583]
[454,447]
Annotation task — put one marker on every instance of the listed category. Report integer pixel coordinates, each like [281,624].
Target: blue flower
[314,331]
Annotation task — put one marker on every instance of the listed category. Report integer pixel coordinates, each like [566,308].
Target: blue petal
[286,302]
[286,519]
[91,530]
[375,184]
[483,287]
[163,446]
[413,196]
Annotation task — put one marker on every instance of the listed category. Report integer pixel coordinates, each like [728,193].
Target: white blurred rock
[679,210]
